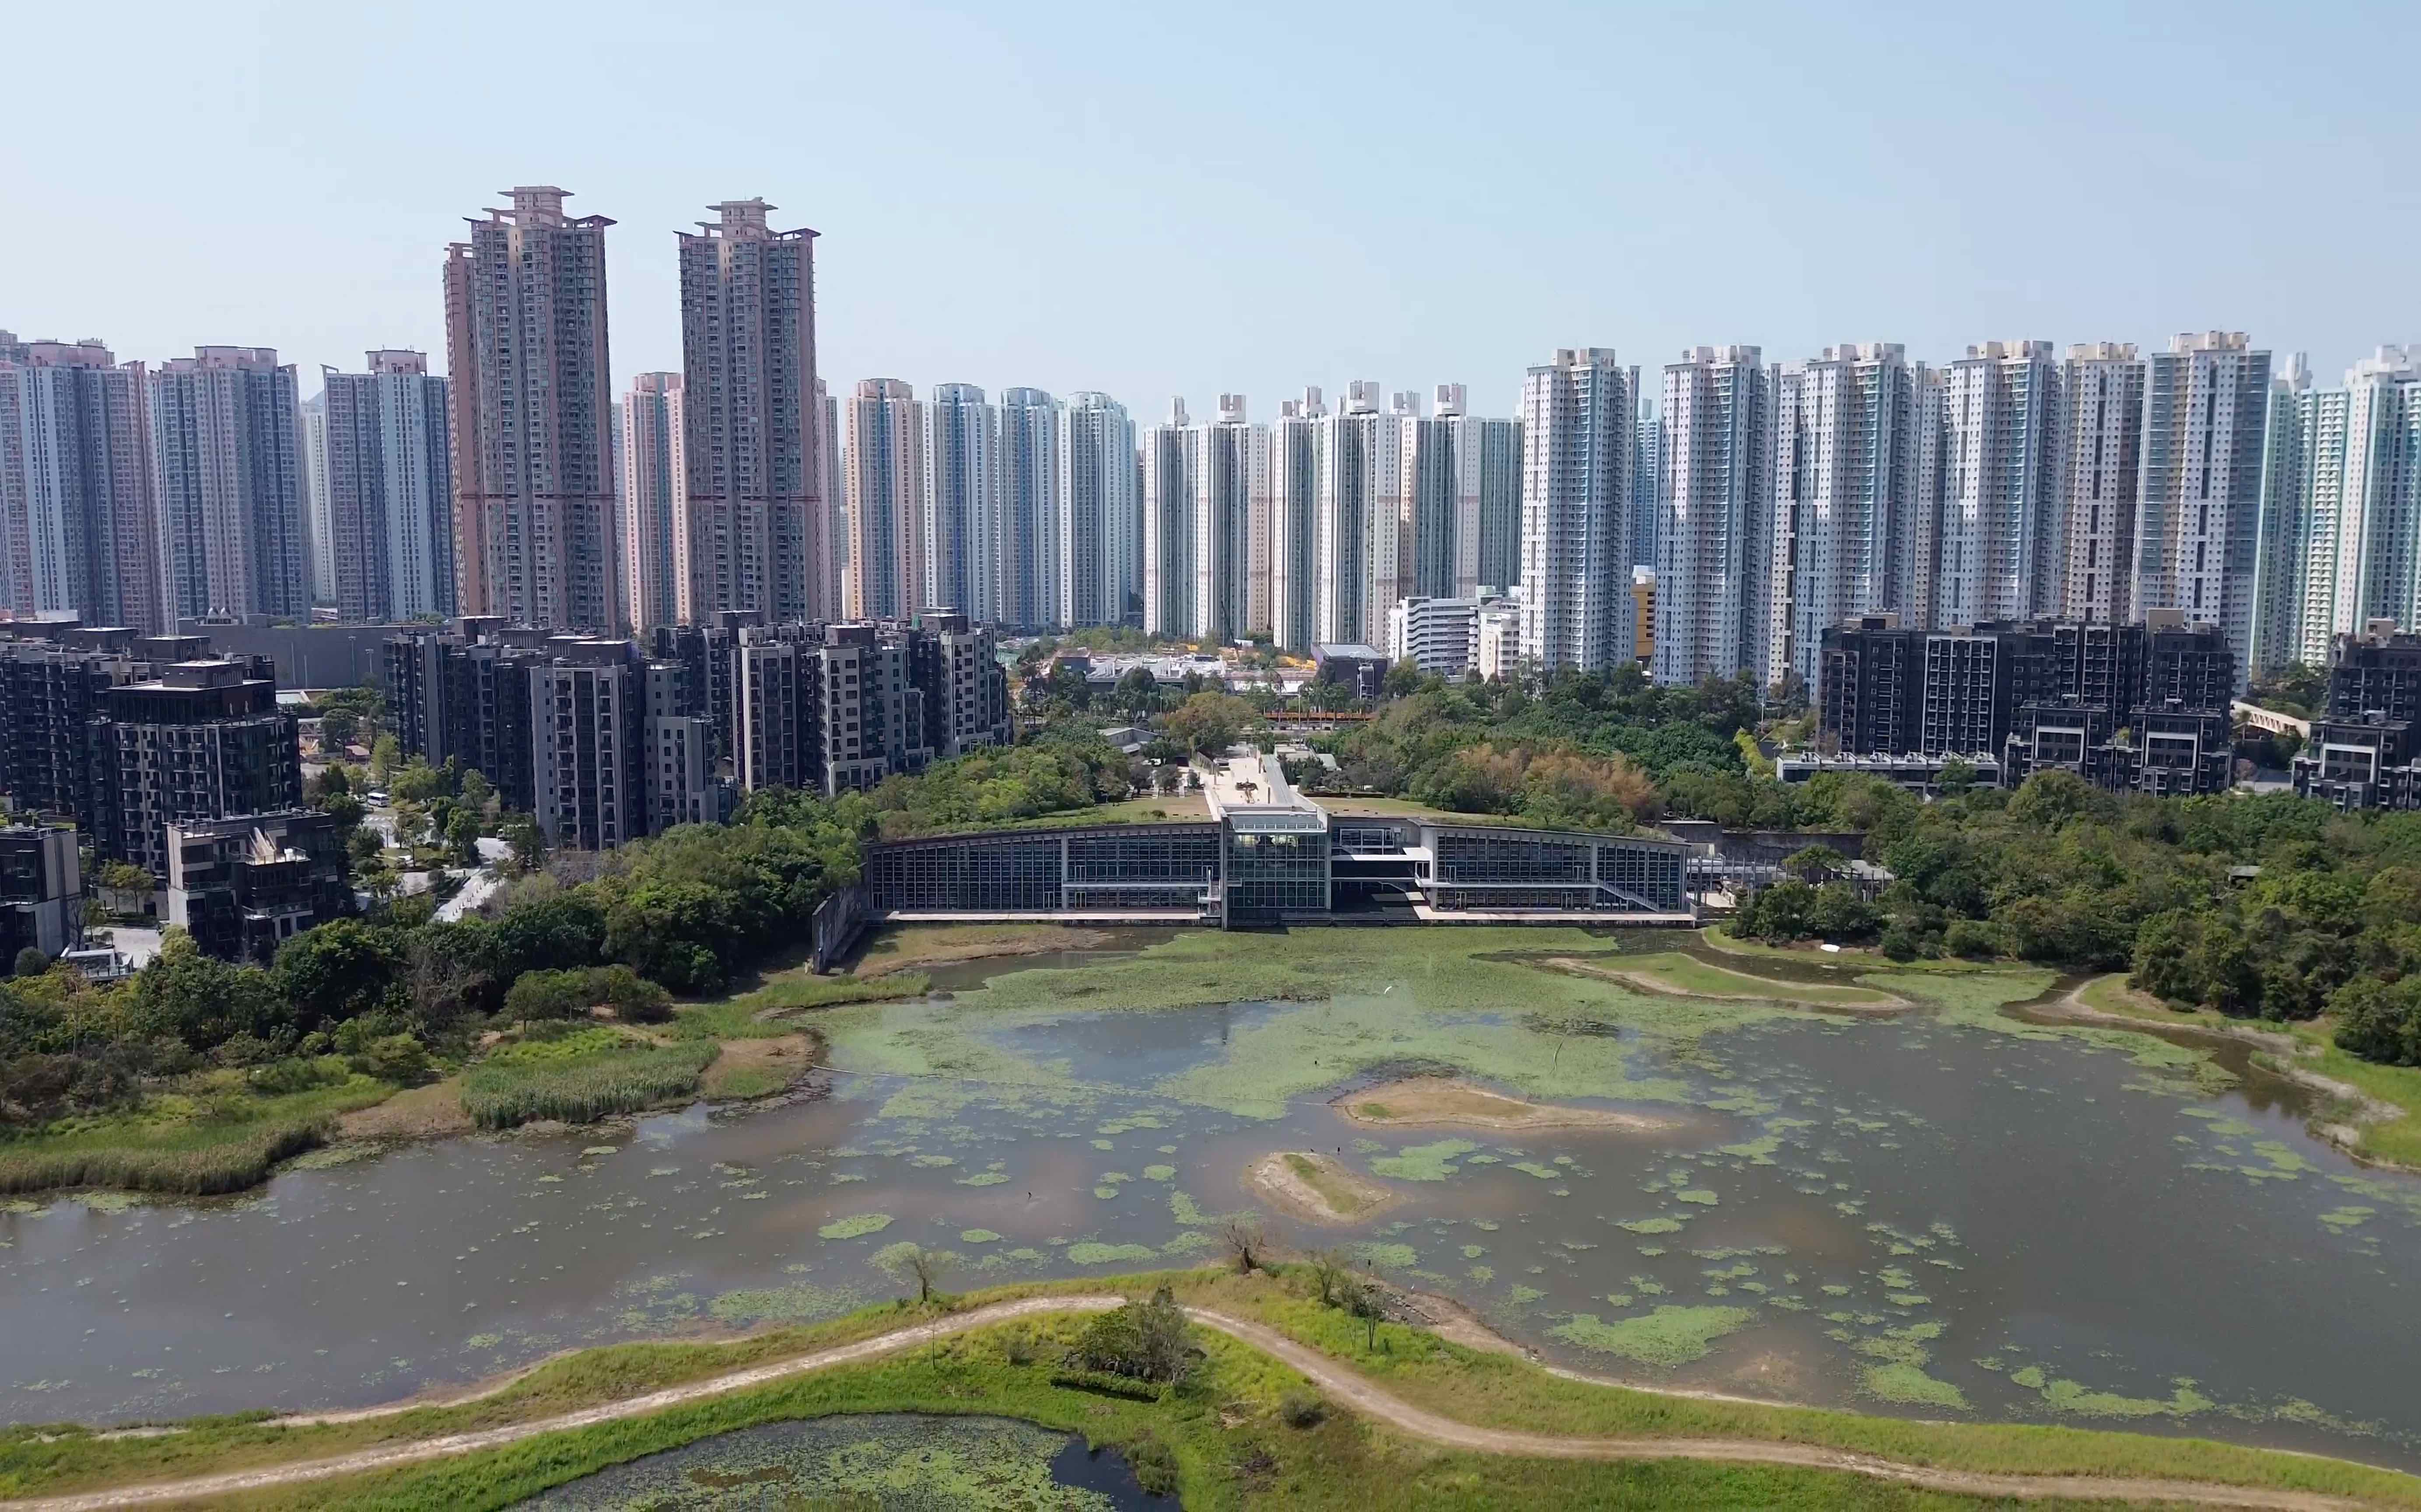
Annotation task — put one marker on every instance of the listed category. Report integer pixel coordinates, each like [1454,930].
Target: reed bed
[581,1080]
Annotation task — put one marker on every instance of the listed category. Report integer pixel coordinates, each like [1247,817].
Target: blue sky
[1154,200]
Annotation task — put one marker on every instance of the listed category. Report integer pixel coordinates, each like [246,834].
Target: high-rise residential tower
[1170,468]
[658,528]
[536,527]
[78,496]
[1231,505]
[2378,533]
[753,430]
[1461,483]
[961,522]
[1099,512]
[1025,572]
[2197,507]
[1854,509]
[1714,544]
[831,453]
[226,432]
[317,527]
[2102,448]
[1294,493]
[1647,502]
[2000,533]
[390,490]
[1360,515]
[1578,414]
[885,463]
[2294,549]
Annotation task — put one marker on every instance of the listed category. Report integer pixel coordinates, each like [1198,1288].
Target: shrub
[1300,1410]
[1155,1465]
[1143,1340]
[397,1058]
[33,962]
[297,1073]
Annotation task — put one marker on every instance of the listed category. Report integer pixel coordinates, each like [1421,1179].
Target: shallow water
[2025,1221]
[901,1462]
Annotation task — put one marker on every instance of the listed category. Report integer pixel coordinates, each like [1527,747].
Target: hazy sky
[1152,200]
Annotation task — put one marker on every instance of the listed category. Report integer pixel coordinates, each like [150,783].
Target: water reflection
[1904,1215]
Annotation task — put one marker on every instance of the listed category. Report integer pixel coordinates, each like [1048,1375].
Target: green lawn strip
[1488,1390]
[220,1139]
[580,1077]
[1688,974]
[1857,956]
[737,1017]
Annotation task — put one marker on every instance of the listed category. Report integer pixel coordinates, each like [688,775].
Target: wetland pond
[901,1462]
[1954,1213]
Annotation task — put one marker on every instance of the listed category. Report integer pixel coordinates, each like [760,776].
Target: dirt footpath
[1346,1386]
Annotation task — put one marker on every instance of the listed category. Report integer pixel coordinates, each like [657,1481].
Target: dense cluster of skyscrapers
[1773,501]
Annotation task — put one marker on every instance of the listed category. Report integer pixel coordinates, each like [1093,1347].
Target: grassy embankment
[908,946]
[601,1070]
[205,1133]
[213,1133]
[1230,1445]
[2312,1047]
[1679,973]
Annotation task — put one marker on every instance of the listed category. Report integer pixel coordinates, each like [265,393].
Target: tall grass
[187,1145]
[198,1171]
[581,1080]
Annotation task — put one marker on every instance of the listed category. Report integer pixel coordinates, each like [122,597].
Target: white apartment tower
[1203,486]
[1578,414]
[1360,516]
[2377,572]
[226,438]
[1231,511]
[78,497]
[831,454]
[2101,391]
[531,379]
[1854,511]
[961,520]
[1647,501]
[885,464]
[657,526]
[1168,469]
[2000,533]
[2339,539]
[1463,500]
[1294,491]
[317,527]
[2204,401]
[1714,541]
[1099,513]
[1025,574]
[753,428]
[386,460]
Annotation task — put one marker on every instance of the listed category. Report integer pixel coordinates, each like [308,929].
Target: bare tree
[919,1265]
[1245,1239]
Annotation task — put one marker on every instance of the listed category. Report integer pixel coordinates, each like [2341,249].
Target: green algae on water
[857,1226]
[1423,1163]
[1667,1337]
